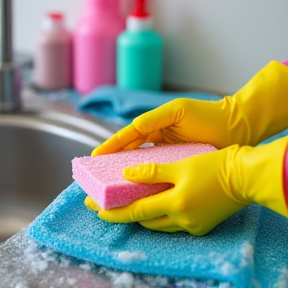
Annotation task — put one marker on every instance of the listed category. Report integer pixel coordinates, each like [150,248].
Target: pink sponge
[101,176]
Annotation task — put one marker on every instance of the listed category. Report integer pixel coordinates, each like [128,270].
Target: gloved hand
[208,188]
[257,111]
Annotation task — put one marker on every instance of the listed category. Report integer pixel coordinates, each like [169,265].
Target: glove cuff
[260,109]
[257,175]
[285,177]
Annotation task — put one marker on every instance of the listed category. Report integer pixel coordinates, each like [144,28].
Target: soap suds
[227,268]
[38,260]
[224,262]
[21,285]
[126,256]
[124,280]
[24,263]
[247,252]
[283,279]
[86,266]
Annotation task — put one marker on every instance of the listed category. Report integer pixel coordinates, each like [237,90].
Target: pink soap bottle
[95,44]
[53,58]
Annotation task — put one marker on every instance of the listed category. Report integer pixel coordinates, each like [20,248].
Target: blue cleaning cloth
[121,106]
[225,254]
[271,250]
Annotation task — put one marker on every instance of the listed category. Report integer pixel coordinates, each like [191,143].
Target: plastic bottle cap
[139,20]
[140,11]
[53,21]
[135,24]
[56,16]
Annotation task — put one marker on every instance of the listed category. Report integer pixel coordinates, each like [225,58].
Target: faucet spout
[9,74]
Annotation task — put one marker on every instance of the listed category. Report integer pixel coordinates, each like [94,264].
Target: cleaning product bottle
[95,44]
[139,53]
[53,57]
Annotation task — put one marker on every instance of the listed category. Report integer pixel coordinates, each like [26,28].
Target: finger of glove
[135,144]
[159,118]
[156,225]
[91,204]
[197,231]
[119,140]
[156,137]
[143,209]
[151,173]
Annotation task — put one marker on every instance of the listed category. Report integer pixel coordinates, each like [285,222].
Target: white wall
[219,44]
[28,15]
[212,45]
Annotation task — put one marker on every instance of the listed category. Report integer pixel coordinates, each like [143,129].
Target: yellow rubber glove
[256,112]
[208,188]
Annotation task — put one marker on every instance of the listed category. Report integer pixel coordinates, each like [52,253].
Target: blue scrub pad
[225,254]
[121,106]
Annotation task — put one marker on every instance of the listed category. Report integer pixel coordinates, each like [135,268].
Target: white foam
[282,281]
[86,266]
[126,256]
[24,263]
[124,280]
[21,285]
[227,268]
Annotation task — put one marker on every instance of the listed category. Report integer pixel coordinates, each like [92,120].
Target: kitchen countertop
[25,264]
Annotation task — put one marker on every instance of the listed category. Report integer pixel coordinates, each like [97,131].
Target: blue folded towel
[225,254]
[121,106]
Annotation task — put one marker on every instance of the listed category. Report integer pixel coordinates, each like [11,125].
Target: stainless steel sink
[37,145]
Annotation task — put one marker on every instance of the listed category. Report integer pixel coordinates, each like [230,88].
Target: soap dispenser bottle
[139,53]
[95,44]
[53,57]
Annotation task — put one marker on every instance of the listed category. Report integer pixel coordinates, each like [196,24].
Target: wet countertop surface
[25,264]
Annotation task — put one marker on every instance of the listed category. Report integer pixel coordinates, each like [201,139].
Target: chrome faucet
[9,74]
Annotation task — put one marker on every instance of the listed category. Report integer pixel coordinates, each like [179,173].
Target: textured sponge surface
[101,176]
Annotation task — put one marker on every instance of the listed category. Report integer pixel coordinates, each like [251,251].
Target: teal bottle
[139,53]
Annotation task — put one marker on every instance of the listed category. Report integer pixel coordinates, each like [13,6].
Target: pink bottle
[95,45]
[53,59]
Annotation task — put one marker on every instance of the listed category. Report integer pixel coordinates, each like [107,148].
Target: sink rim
[49,114]
[58,119]
[36,122]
